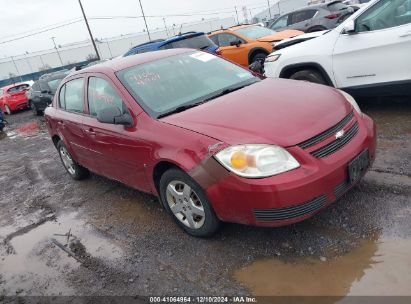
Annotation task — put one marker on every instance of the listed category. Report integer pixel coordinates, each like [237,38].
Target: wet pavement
[98,237]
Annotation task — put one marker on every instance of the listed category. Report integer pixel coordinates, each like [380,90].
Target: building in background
[277,8]
[30,64]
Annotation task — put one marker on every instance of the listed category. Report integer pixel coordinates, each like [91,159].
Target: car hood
[278,36]
[273,111]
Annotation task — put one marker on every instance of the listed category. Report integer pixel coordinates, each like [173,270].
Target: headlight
[272,58]
[351,100]
[257,160]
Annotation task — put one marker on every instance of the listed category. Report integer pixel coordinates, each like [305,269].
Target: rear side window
[102,95]
[166,46]
[227,39]
[71,96]
[19,88]
[301,16]
[198,42]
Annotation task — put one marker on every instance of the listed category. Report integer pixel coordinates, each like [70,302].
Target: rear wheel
[309,75]
[187,202]
[8,111]
[76,171]
[34,109]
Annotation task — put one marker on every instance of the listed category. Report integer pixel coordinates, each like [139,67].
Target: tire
[260,56]
[76,171]
[8,111]
[34,109]
[309,75]
[188,204]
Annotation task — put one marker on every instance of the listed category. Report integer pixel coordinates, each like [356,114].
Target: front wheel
[76,171]
[309,75]
[260,57]
[187,202]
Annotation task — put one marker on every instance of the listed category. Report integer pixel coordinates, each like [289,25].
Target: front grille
[336,144]
[341,189]
[277,214]
[331,131]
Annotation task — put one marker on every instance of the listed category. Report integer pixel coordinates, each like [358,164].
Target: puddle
[374,268]
[37,266]
[29,129]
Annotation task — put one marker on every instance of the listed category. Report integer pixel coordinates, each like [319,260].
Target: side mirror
[114,116]
[235,43]
[349,27]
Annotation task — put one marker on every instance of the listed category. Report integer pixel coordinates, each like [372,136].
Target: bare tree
[45,67]
[91,57]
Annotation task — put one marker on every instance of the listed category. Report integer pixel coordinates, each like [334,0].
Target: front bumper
[295,195]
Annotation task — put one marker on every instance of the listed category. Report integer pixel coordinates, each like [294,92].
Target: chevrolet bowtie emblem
[339,134]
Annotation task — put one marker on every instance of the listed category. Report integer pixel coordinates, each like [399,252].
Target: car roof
[315,6]
[233,28]
[121,63]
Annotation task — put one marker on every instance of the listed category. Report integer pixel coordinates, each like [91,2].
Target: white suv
[369,54]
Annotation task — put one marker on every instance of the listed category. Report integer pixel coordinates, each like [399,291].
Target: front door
[379,50]
[115,148]
[233,48]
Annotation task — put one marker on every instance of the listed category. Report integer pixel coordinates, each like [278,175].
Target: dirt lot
[125,244]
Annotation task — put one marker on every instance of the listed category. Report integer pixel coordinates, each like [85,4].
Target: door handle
[90,131]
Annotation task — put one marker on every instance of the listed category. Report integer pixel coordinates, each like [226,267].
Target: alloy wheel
[67,160]
[185,204]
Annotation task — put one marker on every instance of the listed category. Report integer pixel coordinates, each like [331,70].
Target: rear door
[378,53]
[115,148]
[69,120]
[301,20]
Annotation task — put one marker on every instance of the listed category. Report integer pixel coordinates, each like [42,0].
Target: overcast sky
[22,17]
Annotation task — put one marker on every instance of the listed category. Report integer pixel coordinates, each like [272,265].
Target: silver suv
[314,18]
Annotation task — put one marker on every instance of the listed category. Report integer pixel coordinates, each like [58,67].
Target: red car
[13,97]
[211,139]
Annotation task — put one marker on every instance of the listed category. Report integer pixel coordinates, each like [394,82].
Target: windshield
[169,83]
[198,42]
[53,84]
[254,32]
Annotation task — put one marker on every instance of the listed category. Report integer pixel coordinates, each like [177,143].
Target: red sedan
[212,140]
[13,97]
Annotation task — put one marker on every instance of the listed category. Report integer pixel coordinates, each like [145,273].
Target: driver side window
[102,95]
[384,14]
[227,39]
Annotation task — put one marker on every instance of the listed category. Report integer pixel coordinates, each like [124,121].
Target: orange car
[245,44]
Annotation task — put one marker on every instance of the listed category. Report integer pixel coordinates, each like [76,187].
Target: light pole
[58,53]
[15,65]
[269,8]
[109,49]
[145,21]
[236,13]
[28,61]
[89,31]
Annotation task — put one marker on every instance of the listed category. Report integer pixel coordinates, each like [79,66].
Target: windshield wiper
[180,109]
[189,106]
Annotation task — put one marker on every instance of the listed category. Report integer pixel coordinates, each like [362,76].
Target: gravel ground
[122,243]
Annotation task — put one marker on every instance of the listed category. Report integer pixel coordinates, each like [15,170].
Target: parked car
[313,18]
[13,97]
[42,92]
[367,55]
[193,40]
[211,139]
[2,121]
[245,44]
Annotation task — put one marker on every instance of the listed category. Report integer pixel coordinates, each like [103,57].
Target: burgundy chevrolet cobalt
[212,140]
